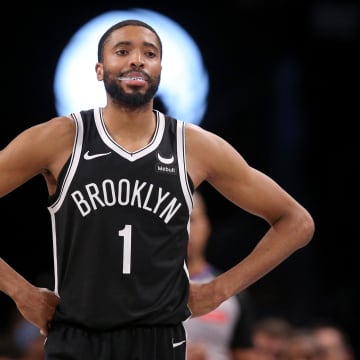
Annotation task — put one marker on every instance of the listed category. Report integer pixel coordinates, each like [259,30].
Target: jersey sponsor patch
[164,164]
[165,169]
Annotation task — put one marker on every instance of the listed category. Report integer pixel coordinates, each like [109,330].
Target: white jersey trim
[75,157]
[135,155]
[65,186]
[181,153]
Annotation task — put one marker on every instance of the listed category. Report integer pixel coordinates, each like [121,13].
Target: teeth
[131,78]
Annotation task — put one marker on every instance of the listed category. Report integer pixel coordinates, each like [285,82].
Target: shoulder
[61,123]
[40,148]
[55,143]
[198,138]
[56,126]
[54,137]
[209,156]
[196,132]
[54,134]
[45,133]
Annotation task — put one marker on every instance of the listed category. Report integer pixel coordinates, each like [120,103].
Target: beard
[133,100]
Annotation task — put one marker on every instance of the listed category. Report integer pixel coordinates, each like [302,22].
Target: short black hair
[129,22]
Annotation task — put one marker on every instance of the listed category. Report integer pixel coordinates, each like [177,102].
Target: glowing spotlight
[184,81]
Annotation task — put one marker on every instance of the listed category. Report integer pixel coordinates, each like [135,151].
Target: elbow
[307,229]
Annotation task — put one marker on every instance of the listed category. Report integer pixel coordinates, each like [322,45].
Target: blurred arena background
[282,91]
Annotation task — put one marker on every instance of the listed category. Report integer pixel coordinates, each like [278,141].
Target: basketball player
[120,181]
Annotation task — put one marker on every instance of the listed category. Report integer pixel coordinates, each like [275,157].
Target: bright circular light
[184,81]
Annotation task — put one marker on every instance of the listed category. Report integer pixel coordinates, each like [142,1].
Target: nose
[137,59]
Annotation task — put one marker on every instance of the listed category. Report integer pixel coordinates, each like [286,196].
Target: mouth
[131,78]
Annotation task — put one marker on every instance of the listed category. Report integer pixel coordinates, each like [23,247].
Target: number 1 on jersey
[126,234]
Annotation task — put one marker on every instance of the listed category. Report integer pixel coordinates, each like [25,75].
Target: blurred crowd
[273,338]
[21,340]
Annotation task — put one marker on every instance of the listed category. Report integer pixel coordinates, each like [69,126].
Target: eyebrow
[128,43]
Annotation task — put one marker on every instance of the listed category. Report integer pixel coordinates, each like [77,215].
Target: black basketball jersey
[120,223]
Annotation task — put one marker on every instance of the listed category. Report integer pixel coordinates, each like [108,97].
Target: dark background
[283,92]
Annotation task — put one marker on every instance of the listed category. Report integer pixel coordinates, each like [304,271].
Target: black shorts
[135,343]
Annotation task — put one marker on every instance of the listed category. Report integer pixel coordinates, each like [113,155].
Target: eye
[121,52]
[150,54]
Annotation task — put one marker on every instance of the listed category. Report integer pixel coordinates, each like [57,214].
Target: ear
[99,71]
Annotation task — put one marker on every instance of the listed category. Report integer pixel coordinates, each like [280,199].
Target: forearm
[279,242]
[37,305]
[11,282]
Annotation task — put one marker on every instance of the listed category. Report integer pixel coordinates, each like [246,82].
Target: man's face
[131,66]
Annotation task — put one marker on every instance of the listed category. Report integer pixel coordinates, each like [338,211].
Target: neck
[132,130]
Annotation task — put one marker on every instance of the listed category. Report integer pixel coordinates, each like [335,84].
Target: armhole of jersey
[185,185]
[75,156]
[184,180]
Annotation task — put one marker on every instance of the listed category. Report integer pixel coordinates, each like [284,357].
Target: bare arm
[37,305]
[212,159]
[39,149]
[42,149]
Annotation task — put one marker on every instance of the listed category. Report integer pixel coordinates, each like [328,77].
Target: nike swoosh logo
[178,343]
[164,160]
[87,156]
